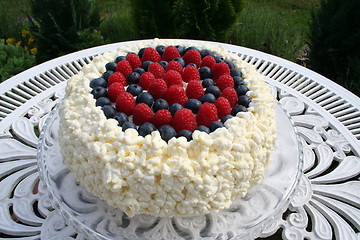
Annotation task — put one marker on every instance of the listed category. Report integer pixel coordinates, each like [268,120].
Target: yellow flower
[24,33]
[18,43]
[10,41]
[33,51]
[26,49]
[31,40]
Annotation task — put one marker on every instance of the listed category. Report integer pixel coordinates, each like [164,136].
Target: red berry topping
[170,53]
[124,67]
[176,94]
[225,81]
[161,117]
[134,60]
[207,114]
[117,77]
[190,73]
[172,77]
[192,56]
[230,94]
[184,119]
[174,65]
[142,113]
[145,79]
[223,107]
[114,90]
[208,61]
[125,103]
[156,69]
[158,88]
[219,69]
[150,54]
[194,89]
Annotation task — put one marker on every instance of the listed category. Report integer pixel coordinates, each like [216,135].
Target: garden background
[322,35]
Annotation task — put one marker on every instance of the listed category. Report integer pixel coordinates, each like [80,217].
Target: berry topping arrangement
[172,89]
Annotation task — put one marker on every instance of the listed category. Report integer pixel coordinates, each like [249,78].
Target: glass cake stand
[245,219]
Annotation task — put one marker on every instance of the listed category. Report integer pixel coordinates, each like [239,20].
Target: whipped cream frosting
[147,175]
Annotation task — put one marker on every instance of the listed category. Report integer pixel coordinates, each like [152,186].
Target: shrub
[13,59]
[334,42]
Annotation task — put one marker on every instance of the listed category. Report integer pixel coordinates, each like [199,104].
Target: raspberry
[173,77]
[150,54]
[158,88]
[156,69]
[208,61]
[194,89]
[134,60]
[117,77]
[192,56]
[142,113]
[223,107]
[114,90]
[225,81]
[207,114]
[176,94]
[124,67]
[174,65]
[184,119]
[230,94]
[170,53]
[219,69]
[161,117]
[125,103]
[190,73]
[145,80]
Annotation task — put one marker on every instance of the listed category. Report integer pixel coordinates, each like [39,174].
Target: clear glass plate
[246,218]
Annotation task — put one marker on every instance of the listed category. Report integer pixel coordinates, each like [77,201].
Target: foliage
[13,59]
[27,41]
[12,17]
[334,42]
[64,26]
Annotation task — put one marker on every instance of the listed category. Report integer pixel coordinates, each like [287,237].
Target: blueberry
[121,118]
[215,125]
[146,128]
[109,111]
[207,82]
[235,72]
[224,119]
[203,128]
[127,125]
[141,52]
[191,48]
[238,81]
[208,97]
[180,60]
[163,64]
[193,104]
[106,75]
[102,101]
[146,98]
[230,64]
[215,90]
[241,90]
[174,108]
[219,59]
[98,82]
[133,78]
[205,72]
[192,64]
[99,92]
[167,132]
[185,133]
[206,52]
[160,49]
[244,100]
[238,108]
[160,104]
[139,70]
[111,66]
[134,89]
[146,64]
[180,49]
[120,58]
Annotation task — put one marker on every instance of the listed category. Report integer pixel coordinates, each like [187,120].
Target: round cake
[166,128]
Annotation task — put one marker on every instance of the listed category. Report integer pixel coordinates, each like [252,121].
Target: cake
[193,149]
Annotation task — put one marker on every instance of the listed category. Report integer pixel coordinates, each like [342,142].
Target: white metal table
[325,205]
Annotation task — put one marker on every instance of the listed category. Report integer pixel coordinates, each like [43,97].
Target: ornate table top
[325,205]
